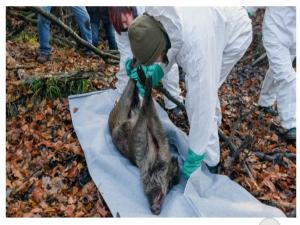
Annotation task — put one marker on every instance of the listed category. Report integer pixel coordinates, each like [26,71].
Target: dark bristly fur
[138,134]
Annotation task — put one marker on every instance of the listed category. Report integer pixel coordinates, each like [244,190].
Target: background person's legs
[239,39]
[83,20]
[110,36]
[109,30]
[280,61]
[267,94]
[44,36]
[95,25]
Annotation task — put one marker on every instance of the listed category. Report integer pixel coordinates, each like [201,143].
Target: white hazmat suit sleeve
[207,57]
[200,58]
[201,105]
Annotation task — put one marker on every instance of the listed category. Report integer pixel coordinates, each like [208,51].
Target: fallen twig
[247,142]
[75,75]
[259,59]
[25,18]
[225,138]
[16,67]
[248,171]
[28,181]
[170,97]
[276,158]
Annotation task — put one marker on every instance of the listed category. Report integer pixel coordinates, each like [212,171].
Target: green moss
[26,37]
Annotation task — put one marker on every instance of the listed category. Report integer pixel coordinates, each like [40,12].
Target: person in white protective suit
[206,42]
[279,40]
[121,18]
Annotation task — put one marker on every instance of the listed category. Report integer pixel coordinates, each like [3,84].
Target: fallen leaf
[70,210]
[102,211]
[37,194]
[73,171]
[269,184]
[274,137]
[13,136]
[39,116]
[291,149]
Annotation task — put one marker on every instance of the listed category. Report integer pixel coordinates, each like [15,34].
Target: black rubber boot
[42,58]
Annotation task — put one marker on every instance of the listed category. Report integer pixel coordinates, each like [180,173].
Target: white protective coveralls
[170,80]
[279,39]
[206,43]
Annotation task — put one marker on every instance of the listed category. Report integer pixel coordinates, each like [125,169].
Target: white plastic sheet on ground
[204,195]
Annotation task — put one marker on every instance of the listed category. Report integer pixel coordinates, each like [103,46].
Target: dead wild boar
[138,134]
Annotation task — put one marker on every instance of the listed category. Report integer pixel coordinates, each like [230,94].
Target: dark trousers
[98,14]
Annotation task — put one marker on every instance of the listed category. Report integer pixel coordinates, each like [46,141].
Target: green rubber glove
[131,71]
[192,162]
[154,71]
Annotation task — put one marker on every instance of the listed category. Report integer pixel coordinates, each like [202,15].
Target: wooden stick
[16,67]
[25,18]
[260,58]
[170,97]
[75,75]
[231,146]
[276,158]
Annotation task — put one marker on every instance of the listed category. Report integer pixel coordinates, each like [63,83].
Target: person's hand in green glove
[154,71]
[130,70]
[192,163]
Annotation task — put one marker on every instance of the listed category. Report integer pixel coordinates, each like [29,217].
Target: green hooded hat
[148,39]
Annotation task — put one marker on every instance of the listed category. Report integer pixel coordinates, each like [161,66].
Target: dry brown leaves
[46,172]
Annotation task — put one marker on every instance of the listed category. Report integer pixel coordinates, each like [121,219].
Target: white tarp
[204,195]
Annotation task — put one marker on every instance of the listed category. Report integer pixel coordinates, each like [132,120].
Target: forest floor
[46,171]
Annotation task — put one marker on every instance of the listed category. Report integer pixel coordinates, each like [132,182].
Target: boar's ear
[174,172]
